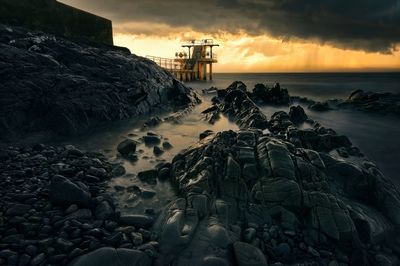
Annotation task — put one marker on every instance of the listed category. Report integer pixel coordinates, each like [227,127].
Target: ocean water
[319,86]
[377,135]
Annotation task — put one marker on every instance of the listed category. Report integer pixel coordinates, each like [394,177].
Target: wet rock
[151,139]
[73,151]
[148,176]
[83,214]
[104,210]
[167,146]
[152,122]
[38,259]
[157,151]
[147,194]
[64,192]
[249,234]
[63,245]
[206,134]
[297,114]
[118,170]
[164,173]
[320,106]
[248,255]
[233,170]
[18,210]
[210,90]
[274,95]
[137,220]
[72,208]
[282,250]
[126,147]
[110,256]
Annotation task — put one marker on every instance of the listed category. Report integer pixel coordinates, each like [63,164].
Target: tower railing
[166,63]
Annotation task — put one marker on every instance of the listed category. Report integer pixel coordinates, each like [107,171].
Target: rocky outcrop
[296,206]
[236,104]
[373,102]
[55,208]
[275,95]
[291,196]
[52,85]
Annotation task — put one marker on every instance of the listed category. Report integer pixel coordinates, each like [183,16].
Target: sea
[376,135]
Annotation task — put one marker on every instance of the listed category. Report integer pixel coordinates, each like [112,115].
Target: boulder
[248,255]
[126,147]
[297,114]
[152,122]
[157,151]
[110,256]
[65,192]
[151,139]
[148,176]
[137,220]
[18,210]
[104,210]
[233,170]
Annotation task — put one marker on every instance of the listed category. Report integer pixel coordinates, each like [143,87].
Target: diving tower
[193,64]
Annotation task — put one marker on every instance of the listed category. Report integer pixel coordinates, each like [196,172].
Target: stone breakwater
[53,86]
[281,196]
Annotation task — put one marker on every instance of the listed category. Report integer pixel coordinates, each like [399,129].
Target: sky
[262,35]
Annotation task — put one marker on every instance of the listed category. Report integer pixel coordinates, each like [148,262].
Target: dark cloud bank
[370,25]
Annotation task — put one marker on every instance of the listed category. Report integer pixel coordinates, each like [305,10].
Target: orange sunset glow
[241,51]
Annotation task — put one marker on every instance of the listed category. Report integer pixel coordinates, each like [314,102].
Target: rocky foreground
[54,208]
[269,194]
[280,196]
[53,86]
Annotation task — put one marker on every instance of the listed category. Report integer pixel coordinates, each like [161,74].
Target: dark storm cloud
[370,25]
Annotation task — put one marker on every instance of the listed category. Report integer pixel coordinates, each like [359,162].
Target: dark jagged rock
[275,95]
[53,85]
[297,114]
[373,102]
[320,106]
[238,105]
[152,122]
[111,256]
[205,134]
[295,194]
[126,147]
[139,221]
[237,85]
[248,255]
[157,151]
[289,193]
[236,102]
[167,145]
[63,191]
[211,90]
[151,139]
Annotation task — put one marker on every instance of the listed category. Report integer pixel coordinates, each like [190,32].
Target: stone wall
[53,17]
